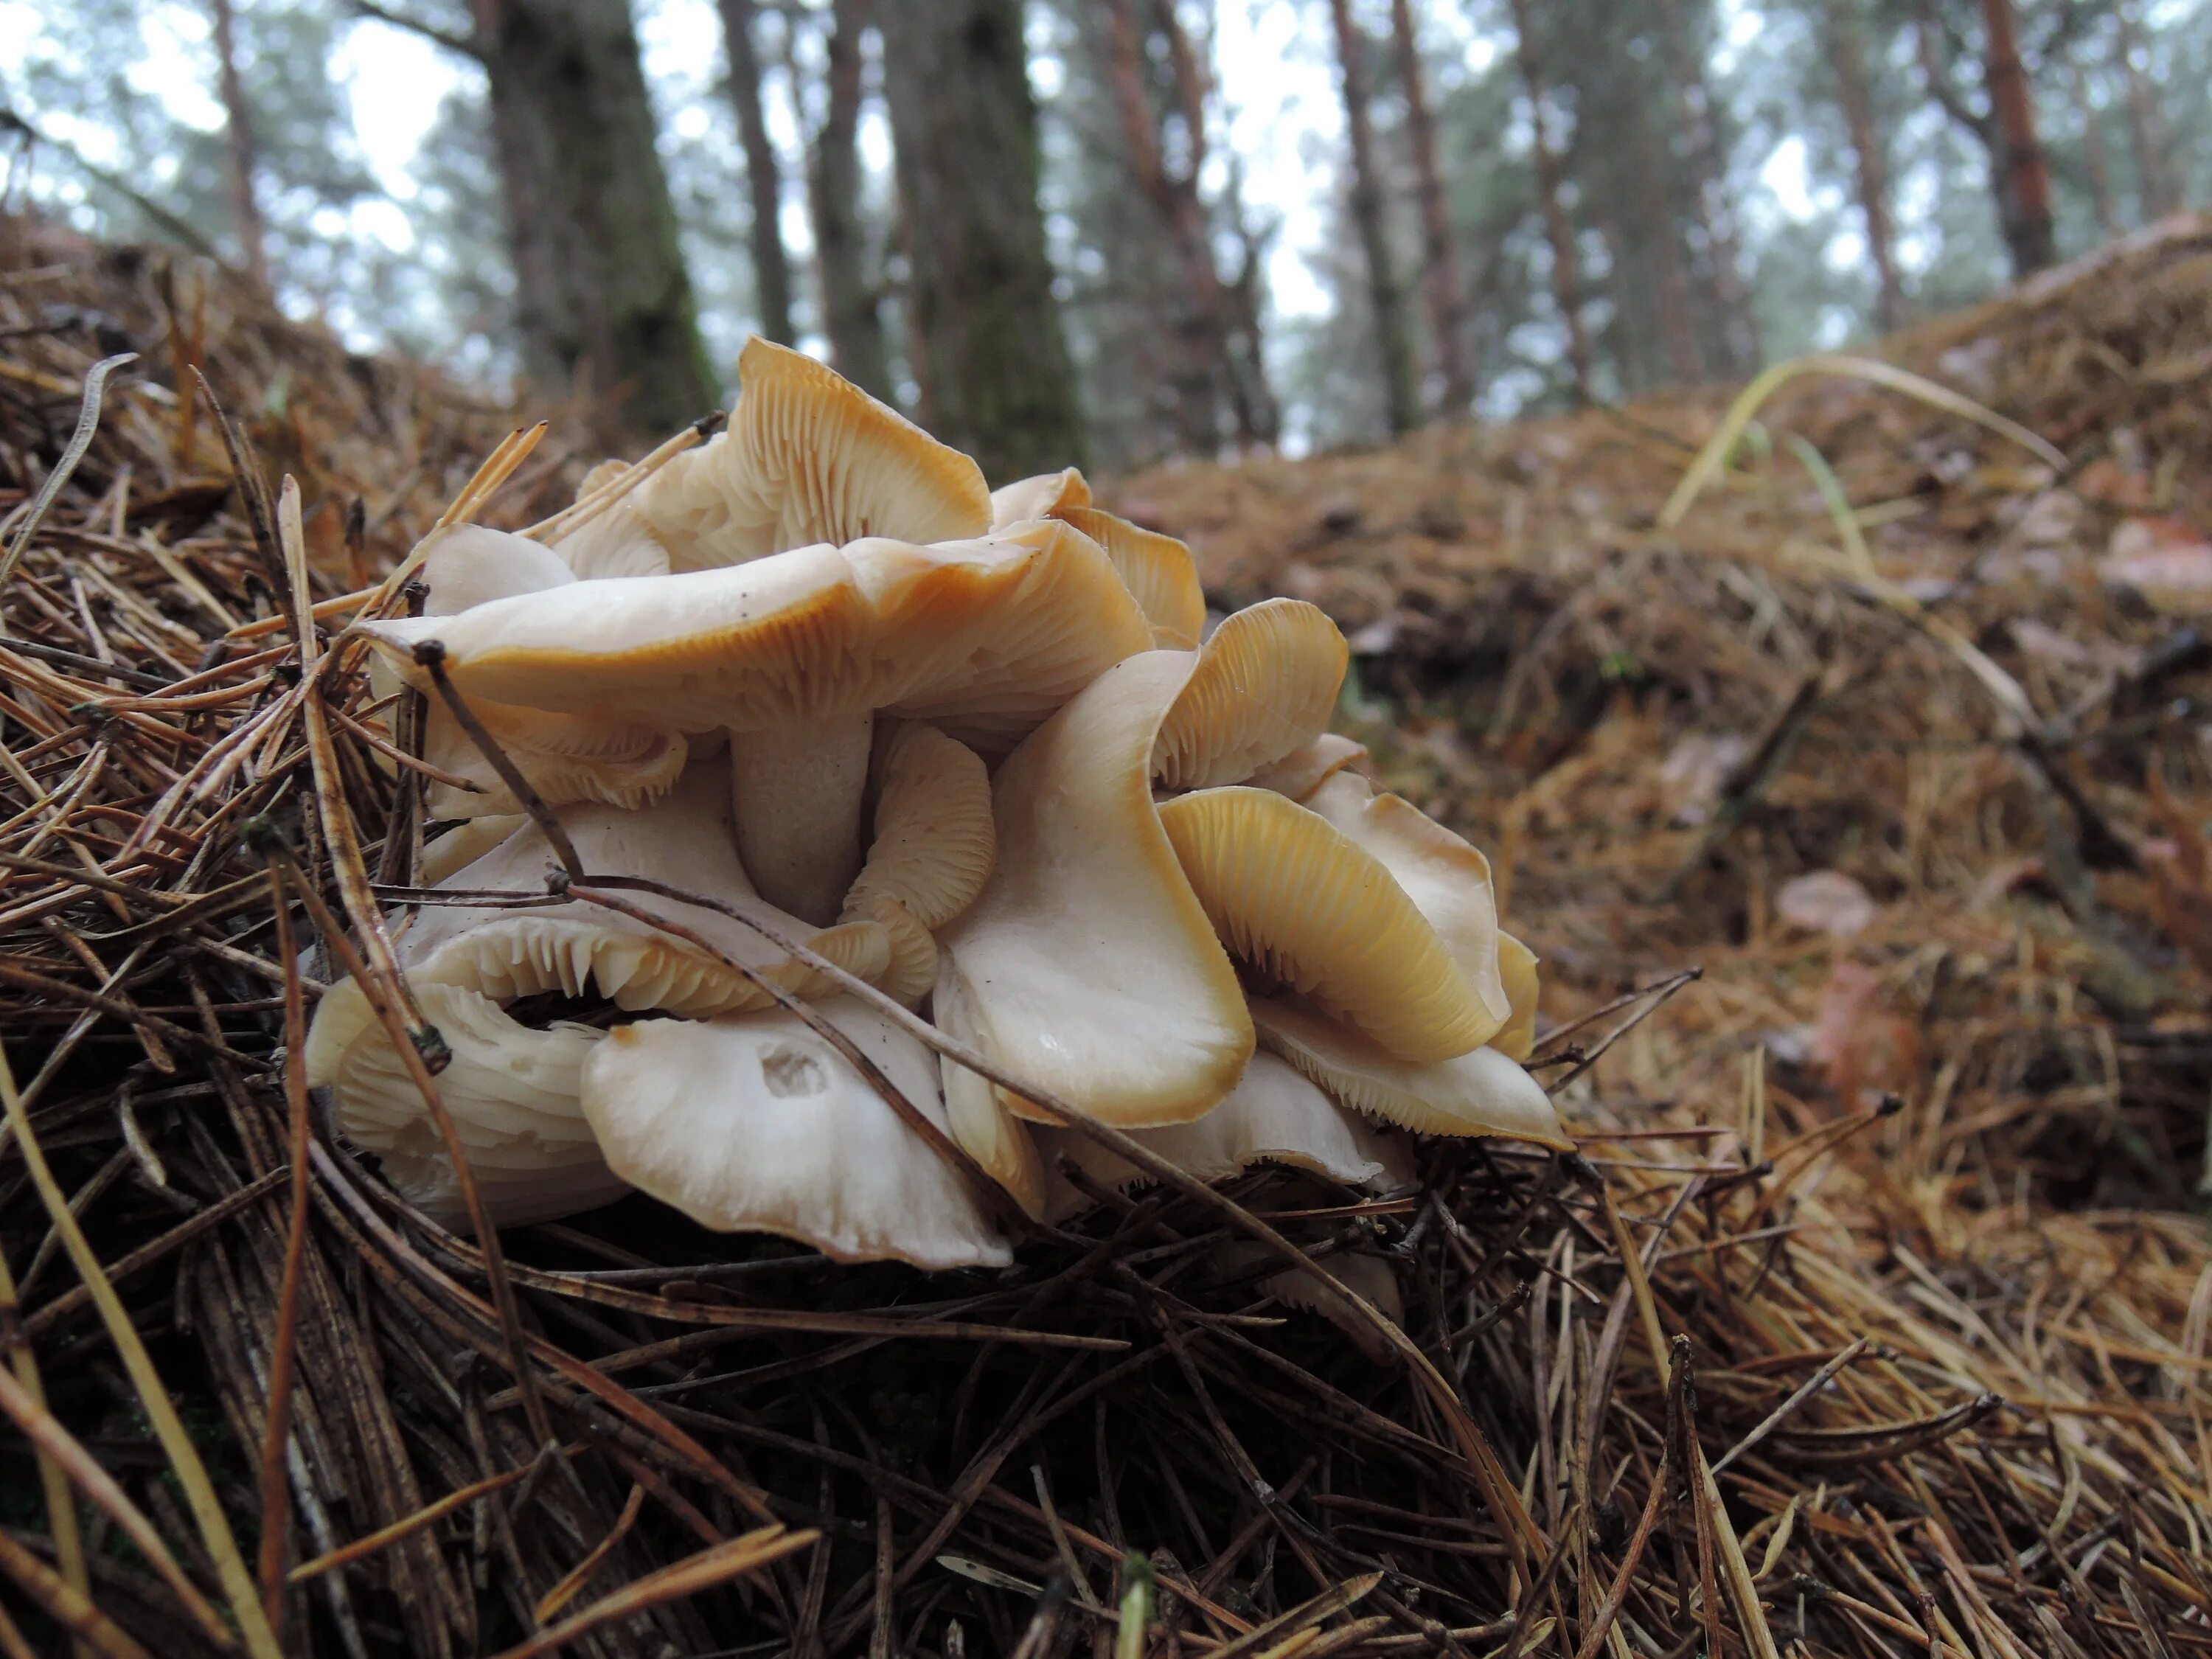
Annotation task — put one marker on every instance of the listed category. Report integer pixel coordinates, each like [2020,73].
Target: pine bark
[2018,158]
[240,151]
[2157,191]
[1000,383]
[1870,155]
[1440,255]
[1558,229]
[1393,336]
[851,313]
[763,173]
[605,303]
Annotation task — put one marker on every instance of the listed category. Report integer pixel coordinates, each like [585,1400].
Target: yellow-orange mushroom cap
[1265,683]
[808,457]
[1516,965]
[1313,913]
[1046,495]
[1157,570]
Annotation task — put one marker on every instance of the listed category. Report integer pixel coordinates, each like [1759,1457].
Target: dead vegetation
[1857,1327]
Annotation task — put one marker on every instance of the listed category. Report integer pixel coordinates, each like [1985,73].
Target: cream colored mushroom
[1265,685]
[1087,965]
[808,457]
[1044,496]
[1274,1114]
[1157,570]
[757,1124]
[1516,965]
[795,655]
[614,540]
[1306,767]
[1308,911]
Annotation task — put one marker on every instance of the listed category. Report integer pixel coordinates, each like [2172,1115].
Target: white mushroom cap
[1274,1115]
[513,1096]
[1516,965]
[757,1124]
[1481,1092]
[1368,1276]
[1266,684]
[1448,880]
[808,457]
[464,844]
[1087,965]
[616,541]
[1308,766]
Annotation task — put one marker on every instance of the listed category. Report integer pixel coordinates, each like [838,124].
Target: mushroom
[1157,570]
[1274,1115]
[1516,967]
[493,957]
[1087,965]
[615,540]
[795,654]
[1308,910]
[1046,495]
[1369,1276]
[1480,1092]
[1306,767]
[808,457]
[1264,686]
[933,847]
[757,1124]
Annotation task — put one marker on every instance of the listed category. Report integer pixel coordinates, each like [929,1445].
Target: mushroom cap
[1274,1114]
[1046,495]
[1309,766]
[565,758]
[1448,879]
[513,1094]
[808,457]
[1368,1276]
[569,947]
[1157,570]
[984,638]
[1311,911]
[464,844]
[1482,1092]
[1086,965]
[757,1124]
[935,840]
[1516,966]
[465,565]
[615,541]
[1266,683]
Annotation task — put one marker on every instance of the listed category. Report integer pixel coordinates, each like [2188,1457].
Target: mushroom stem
[795,799]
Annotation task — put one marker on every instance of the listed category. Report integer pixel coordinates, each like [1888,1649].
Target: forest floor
[1872,1320]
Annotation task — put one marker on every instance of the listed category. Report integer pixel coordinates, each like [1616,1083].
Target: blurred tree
[763,172]
[851,310]
[1440,257]
[2159,192]
[239,160]
[1394,337]
[991,363]
[1558,229]
[2001,118]
[1843,36]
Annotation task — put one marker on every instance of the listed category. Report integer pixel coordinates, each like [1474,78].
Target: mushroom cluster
[968,747]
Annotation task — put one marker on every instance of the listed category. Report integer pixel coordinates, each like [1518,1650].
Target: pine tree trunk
[1393,338]
[1446,292]
[851,314]
[238,151]
[764,174]
[2095,161]
[2017,159]
[1558,229]
[1870,154]
[2157,193]
[603,301]
[999,385]
[1715,211]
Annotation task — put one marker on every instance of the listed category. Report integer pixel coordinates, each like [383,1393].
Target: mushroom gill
[1265,683]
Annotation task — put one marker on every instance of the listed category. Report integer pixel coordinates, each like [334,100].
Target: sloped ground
[1905,1350]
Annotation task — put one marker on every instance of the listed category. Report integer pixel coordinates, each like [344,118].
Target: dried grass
[1780,1363]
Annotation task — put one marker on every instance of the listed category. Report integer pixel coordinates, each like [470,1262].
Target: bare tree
[1558,229]
[1846,53]
[1393,338]
[993,365]
[2157,191]
[2019,171]
[763,172]
[1440,256]
[2095,163]
[238,147]
[851,312]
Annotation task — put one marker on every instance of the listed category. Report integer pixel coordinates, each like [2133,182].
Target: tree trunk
[1201,357]
[850,312]
[2156,192]
[1656,215]
[2024,197]
[1715,211]
[1440,257]
[238,157]
[764,174]
[1855,93]
[2095,161]
[1000,383]
[1393,339]
[603,297]
[1259,417]
[1558,229]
